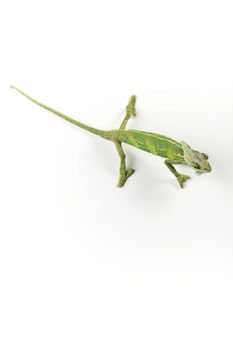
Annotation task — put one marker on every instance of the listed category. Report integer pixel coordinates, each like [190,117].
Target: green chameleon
[175,152]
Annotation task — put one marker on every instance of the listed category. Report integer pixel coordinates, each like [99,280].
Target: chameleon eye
[196,166]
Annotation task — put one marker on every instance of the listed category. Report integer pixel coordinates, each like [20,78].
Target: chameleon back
[153,143]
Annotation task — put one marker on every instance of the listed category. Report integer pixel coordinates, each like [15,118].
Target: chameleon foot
[123,178]
[182,178]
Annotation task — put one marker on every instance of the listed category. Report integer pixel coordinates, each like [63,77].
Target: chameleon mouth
[204,170]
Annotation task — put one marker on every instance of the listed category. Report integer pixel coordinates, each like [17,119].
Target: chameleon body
[173,151]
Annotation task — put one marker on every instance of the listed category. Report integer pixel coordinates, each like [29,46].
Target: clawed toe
[123,178]
[182,178]
[129,172]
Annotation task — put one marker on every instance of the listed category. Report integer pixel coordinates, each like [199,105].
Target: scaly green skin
[175,152]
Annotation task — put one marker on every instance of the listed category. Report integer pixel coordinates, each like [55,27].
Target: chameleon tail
[98,132]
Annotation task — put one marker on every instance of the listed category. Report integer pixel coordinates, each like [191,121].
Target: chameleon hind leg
[130,111]
[181,178]
[124,173]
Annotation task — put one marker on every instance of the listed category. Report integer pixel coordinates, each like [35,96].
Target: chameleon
[173,151]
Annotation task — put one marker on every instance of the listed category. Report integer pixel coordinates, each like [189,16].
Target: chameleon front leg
[181,178]
[124,174]
[130,111]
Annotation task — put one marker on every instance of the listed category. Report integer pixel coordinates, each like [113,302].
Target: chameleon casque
[173,151]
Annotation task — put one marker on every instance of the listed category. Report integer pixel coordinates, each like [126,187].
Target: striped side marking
[132,140]
[151,147]
[160,137]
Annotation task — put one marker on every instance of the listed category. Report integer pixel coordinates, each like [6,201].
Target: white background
[84,264]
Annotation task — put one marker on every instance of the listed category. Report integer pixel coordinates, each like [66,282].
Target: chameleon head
[195,159]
